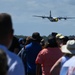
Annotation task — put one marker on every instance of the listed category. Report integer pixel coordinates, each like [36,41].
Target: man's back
[15,64]
[69,67]
[32,50]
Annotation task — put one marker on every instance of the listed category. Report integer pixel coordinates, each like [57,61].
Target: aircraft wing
[40,16]
[65,18]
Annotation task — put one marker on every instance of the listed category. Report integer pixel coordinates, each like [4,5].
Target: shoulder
[13,58]
[70,62]
[28,45]
[65,58]
[43,51]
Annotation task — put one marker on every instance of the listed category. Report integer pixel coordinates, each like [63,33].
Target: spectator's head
[64,39]
[69,48]
[28,40]
[15,46]
[54,34]
[59,38]
[42,43]
[36,37]
[3,63]
[6,29]
[52,42]
[20,40]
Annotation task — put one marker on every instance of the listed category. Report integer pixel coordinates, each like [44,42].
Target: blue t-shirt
[32,51]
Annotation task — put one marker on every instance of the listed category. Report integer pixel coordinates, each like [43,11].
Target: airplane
[54,19]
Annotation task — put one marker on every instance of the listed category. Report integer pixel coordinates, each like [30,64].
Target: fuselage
[53,19]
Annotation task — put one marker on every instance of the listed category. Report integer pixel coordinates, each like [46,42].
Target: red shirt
[47,57]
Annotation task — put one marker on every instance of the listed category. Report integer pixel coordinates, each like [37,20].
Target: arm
[38,68]
[55,70]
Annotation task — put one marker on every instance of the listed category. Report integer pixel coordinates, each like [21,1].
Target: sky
[24,23]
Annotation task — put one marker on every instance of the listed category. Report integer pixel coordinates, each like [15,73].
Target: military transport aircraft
[54,19]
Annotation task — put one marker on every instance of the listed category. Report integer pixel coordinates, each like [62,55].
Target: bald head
[6,29]
[5,24]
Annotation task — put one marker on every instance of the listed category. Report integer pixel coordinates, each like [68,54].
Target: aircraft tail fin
[50,14]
